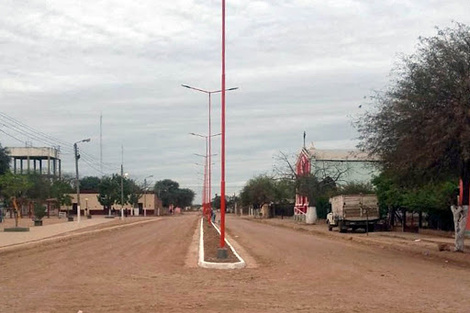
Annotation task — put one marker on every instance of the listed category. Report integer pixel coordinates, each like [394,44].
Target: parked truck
[353,211]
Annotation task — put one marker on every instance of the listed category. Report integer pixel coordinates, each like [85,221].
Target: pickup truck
[353,211]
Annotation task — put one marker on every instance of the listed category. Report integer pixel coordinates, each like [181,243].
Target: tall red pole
[206,179]
[222,182]
[210,156]
[204,188]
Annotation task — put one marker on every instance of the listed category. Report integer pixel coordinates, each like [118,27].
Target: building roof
[341,155]
[33,152]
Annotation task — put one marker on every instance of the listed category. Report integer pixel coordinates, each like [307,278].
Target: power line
[30,133]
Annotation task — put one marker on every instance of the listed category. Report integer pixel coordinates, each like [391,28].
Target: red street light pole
[209,161]
[209,164]
[204,188]
[222,252]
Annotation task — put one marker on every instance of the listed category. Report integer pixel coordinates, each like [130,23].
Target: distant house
[344,166]
[341,165]
[149,204]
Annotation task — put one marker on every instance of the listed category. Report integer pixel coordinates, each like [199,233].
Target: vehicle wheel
[330,228]
[342,229]
[370,228]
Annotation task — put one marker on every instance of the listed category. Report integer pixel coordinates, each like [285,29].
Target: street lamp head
[233,88]
[199,135]
[186,86]
[86,140]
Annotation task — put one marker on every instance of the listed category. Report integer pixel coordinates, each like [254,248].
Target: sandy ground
[29,222]
[143,268]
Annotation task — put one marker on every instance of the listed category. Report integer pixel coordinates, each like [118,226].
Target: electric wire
[22,130]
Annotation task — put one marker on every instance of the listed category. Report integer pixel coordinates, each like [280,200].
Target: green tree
[284,191]
[61,190]
[258,191]
[14,188]
[355,188]
[433,198]
[90,183]
[40,188]
[4,160]
[167,190]
[184,197]
[421,125]
[39,210]
[109,191]
[134,192]
[216,202]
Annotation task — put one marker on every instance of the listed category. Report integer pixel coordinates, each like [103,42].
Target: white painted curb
[220,266]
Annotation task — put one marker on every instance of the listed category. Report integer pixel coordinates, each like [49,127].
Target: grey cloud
[300,65]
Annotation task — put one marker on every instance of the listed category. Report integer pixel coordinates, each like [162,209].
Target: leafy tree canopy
[429,197]
[60,190]
[109,190]
[90,183]
[4,160]
[169,192]
[421,124]
[266,189]
[40,187]
[14,185]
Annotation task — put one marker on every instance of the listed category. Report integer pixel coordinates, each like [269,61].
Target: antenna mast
[101,143]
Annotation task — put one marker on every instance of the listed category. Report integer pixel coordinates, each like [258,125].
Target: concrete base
[16,229]
[109,216]
[70,219]
[222,253]
[37,222]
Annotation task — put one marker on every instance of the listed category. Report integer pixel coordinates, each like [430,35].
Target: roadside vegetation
[419,126]
[31,193]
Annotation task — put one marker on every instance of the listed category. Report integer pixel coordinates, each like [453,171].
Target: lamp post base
[222,253]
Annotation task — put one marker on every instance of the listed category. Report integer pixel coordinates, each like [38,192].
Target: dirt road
[142,269]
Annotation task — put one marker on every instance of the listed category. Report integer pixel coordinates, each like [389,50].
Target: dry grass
[212,244]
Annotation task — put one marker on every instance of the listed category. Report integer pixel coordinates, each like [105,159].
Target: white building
[344,166]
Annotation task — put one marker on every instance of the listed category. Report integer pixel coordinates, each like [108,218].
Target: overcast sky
[300,65]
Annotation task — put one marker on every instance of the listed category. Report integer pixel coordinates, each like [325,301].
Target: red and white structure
[302,167]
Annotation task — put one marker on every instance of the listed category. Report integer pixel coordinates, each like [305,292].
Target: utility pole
[122,182]
[77,178]
[122,192]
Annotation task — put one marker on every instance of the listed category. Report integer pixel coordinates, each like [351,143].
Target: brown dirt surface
[142,268]
[425,244]
[29,222]
[212,245]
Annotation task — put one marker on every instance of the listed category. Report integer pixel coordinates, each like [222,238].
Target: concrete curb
[213,265]
[33,243]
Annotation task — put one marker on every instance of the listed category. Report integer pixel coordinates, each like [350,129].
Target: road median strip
[219,265]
